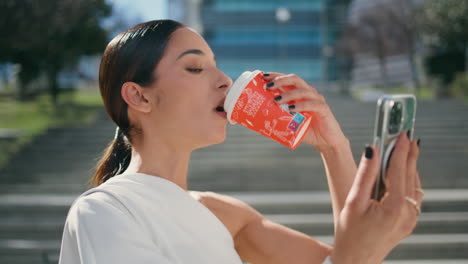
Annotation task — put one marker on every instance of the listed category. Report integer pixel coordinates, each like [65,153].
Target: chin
[215,139]
[220,138]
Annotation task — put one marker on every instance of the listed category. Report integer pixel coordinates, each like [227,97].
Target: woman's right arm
[99,230]
[366,232]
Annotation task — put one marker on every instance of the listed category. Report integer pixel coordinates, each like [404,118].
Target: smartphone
[395,115]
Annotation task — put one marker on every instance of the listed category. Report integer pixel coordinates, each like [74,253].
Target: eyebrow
[191,51]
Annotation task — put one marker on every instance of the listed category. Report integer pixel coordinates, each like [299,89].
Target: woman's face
[188,89]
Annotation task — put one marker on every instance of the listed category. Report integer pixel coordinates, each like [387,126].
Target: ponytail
[115,159]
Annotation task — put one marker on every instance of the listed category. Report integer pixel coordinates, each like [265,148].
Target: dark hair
[131,56]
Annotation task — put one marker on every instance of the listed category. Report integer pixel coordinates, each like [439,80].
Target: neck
[158,158]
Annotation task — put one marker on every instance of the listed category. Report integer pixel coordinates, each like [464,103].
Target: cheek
[185,109]
[177,95]
[186,100]
[192,99]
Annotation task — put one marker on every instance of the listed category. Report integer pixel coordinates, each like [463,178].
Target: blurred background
[53,127]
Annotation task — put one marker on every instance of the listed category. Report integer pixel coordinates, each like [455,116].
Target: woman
[160,85]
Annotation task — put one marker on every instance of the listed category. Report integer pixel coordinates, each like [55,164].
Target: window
[249,5]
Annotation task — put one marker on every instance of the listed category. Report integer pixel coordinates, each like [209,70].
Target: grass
[33,118]
[421,93]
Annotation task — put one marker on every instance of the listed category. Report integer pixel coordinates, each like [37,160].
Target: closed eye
[194,70]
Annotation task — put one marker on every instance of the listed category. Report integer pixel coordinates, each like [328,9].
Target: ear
[133,95]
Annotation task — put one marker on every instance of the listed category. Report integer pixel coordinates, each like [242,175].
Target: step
[37,228]
[301,202]
[435,200]
[41,189]
[420,247]
[224,160]
[322,224]
[432,246]
[35,205]
[16,251]
[426,246]
[427,261]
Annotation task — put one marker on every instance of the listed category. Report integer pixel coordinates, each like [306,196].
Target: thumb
[365,177]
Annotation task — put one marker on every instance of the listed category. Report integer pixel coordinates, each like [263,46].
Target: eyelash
[194,70]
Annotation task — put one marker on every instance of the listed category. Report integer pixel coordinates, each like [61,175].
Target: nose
[224,81]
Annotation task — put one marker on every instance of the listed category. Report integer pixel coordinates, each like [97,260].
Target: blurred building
[295,36]
[187,12]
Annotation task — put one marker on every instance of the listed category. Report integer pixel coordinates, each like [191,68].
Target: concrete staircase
[287,186]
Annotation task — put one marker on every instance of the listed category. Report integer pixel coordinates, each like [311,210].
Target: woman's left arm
[325,135]
[340,168]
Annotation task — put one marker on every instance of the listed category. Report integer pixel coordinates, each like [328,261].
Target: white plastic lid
[235,91]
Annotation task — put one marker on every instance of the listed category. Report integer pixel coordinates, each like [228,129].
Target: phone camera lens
[395,118]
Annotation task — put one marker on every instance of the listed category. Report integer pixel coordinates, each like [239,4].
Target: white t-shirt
[139,218]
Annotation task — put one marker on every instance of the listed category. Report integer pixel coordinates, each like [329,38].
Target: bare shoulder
[221,202]
[232,212]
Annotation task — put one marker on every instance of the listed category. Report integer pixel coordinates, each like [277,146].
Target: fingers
[310,106]
[411,168]
[366,175]
[302,99]
[397,171]
[301,94]
[298,94]
[277,80]
[418,185]
[271,75]
[419,194]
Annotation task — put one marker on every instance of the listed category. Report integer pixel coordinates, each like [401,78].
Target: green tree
[445,28]
[47,36]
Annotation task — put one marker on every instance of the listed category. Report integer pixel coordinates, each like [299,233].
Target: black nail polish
[408,134]
[266,74]
[270,84]
[277,98]
[369,152]
[291,107]
[418,142]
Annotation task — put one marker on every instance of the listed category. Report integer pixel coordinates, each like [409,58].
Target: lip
[221,103]
[222,114]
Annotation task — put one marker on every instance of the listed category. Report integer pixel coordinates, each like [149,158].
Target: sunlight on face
[190,87]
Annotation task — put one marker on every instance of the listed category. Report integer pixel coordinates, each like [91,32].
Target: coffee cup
[250,104]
